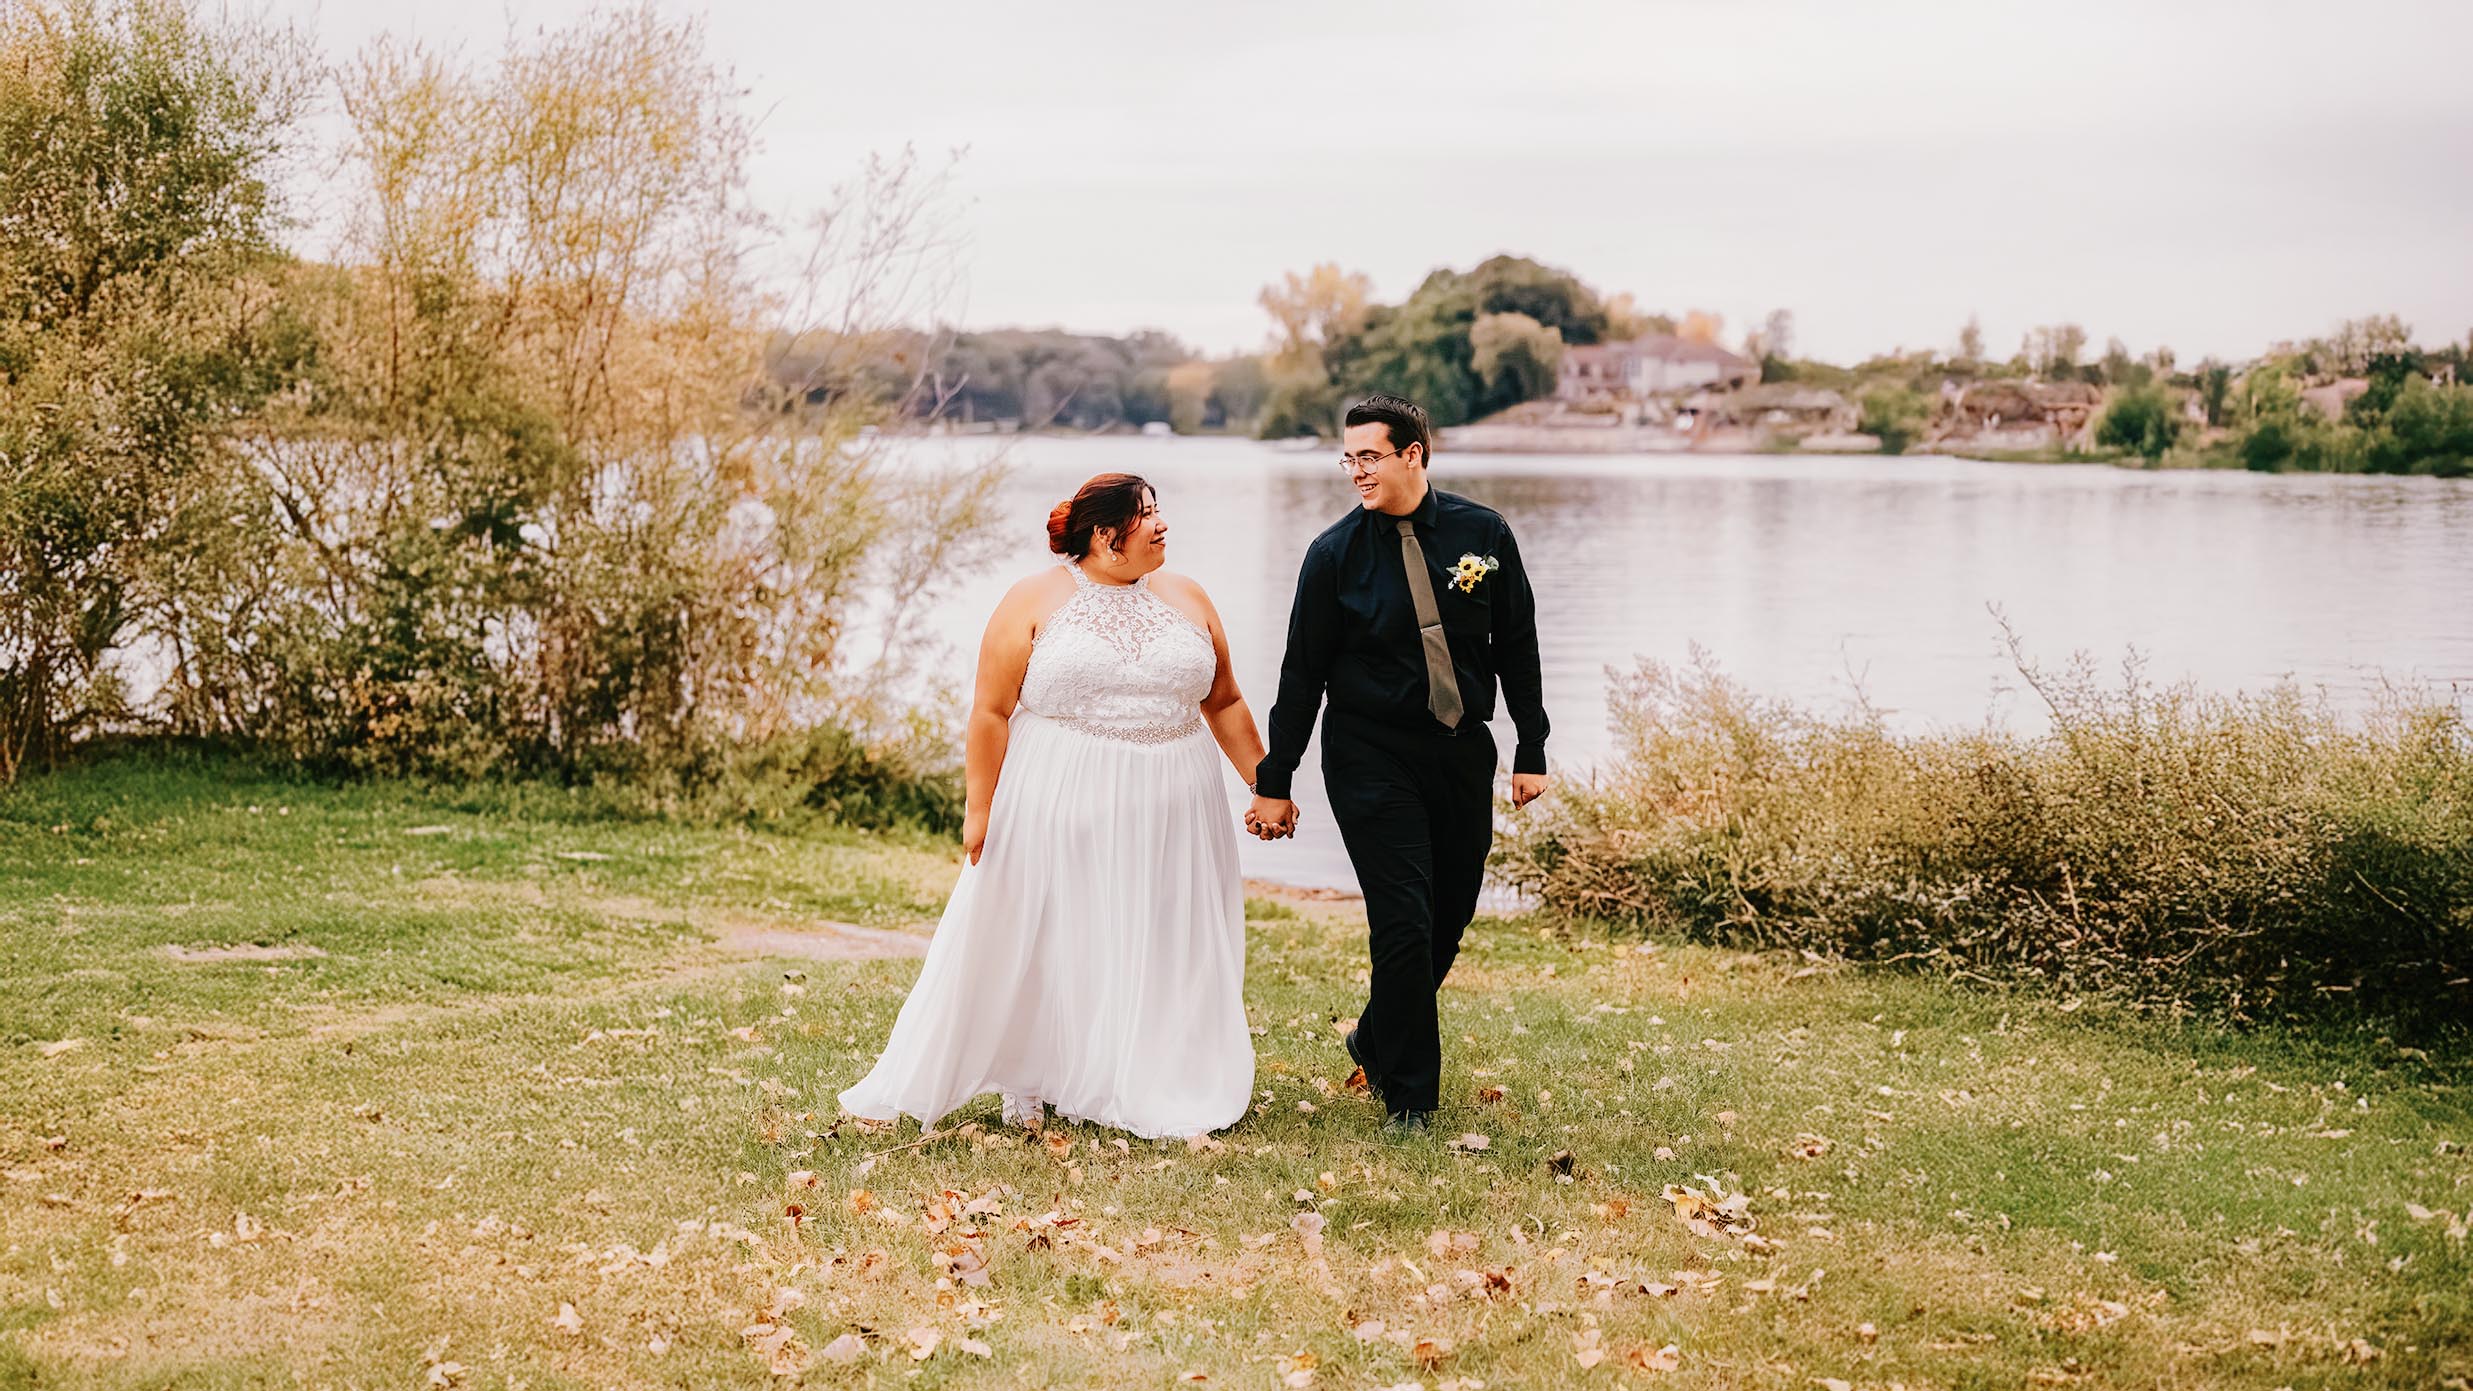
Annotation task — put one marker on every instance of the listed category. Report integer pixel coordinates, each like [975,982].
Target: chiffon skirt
[1095,956]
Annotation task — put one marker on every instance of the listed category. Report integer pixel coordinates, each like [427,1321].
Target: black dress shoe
[1349,1040]
[1403,1124]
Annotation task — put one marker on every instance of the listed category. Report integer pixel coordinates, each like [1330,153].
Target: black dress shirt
[1353,633]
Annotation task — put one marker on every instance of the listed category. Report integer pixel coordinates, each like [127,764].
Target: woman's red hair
[1109,500]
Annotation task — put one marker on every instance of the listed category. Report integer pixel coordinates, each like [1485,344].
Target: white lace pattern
[1120,662]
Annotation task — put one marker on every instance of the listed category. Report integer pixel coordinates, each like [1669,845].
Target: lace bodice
[1119,661]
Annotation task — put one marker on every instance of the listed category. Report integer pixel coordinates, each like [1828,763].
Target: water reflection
[1806,576]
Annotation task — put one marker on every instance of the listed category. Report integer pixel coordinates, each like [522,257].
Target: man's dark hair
[1405,420]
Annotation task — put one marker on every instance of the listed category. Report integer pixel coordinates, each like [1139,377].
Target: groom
[1408,611]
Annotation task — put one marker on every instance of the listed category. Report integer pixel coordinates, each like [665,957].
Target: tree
[2279,431]
[1625,321]
[548,504]
[2140,421]
[2348,351]
[1237,389]
[2427,429]
[1971,342]
[138,322]
[2121,369]
[1189,395]
[1313,310]
[2052,350]
[1776,335]
[1515,356]
[1702,326]
[2214,387]
[1895,414]
[1422,349]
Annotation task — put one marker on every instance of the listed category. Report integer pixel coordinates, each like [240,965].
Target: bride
[1093,953]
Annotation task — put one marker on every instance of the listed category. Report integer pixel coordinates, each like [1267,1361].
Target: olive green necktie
[1442,691]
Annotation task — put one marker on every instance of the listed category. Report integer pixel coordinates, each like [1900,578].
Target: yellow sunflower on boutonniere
[1471,569]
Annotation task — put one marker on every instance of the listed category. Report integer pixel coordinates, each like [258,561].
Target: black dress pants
[1416,810]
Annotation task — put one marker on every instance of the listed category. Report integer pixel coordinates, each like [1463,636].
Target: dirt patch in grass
[821,941]
[243,951]
[739,931]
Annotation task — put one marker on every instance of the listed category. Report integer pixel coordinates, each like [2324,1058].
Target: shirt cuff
[1529,758]
[1273,782]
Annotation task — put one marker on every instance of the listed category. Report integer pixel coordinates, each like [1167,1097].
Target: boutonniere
[1471,569]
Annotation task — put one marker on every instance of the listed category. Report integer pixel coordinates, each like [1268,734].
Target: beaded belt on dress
[1137,734]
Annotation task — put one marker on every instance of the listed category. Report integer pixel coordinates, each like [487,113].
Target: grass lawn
[364,1087]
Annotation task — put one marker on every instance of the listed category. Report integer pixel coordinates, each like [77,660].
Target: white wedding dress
[1095,956]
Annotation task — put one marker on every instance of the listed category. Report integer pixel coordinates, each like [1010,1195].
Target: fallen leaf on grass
[567,1320]
[1664,1359]
[1469,1142]
[1487,1096]
[846,1349]
[1833,1384]
[922,1342]
[1586,1349]
[1308,1227]
[1429,1351]
[783,1353]
[1711,1212]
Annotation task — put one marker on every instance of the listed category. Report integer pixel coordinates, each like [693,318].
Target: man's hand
[1527,788]
[1271,818]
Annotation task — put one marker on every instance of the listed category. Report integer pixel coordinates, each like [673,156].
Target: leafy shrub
[1896,415]
[2139,421]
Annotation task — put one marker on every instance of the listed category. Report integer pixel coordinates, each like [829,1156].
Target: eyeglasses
[1356,463]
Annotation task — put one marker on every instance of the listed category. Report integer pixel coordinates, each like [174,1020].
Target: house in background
[1656,364]
[2017,415]
[1778,409]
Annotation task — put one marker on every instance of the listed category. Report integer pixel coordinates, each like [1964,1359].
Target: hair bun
[1056,525]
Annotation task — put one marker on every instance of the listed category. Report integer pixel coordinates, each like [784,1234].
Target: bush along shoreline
[2233,858]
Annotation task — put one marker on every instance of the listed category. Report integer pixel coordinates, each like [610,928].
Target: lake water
[1801,576]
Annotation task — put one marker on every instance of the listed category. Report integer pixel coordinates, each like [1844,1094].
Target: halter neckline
[1082,578]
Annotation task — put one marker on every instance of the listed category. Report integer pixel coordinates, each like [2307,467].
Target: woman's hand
[974,834]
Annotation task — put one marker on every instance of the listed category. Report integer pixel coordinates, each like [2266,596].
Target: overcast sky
[2213,176]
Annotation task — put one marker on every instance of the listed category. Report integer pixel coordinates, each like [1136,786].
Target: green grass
[516,1081]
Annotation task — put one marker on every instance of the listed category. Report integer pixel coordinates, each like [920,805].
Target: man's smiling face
[1388,479]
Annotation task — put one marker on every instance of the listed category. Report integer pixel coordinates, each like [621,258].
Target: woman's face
[1145,545]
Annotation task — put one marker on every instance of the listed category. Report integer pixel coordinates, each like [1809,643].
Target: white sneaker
[1025,1110]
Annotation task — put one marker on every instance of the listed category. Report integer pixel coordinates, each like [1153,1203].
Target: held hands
[1271,818]
[1527,788]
